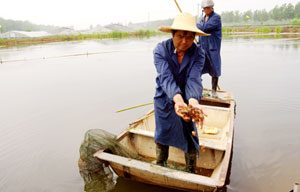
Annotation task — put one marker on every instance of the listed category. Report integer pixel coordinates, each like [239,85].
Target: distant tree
[288,11]
[297,10]
[276,13]
[260,15]
[10,25]
[256,15]
[264,15]
[247,15]
[282,9]
[237,17]
[285,11]
[227,16]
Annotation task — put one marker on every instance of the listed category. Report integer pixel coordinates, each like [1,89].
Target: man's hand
[198,119]
[179,104]
[178,108]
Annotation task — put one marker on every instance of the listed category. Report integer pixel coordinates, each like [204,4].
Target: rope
[52,57]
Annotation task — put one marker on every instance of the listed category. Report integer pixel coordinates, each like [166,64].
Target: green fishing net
[96,174]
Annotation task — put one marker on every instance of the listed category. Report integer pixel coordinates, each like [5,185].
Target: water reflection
[47,106]
[129,185]
[296,46]
[261,36]
[281,41]
[286,45]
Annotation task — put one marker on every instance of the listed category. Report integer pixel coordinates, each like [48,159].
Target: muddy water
[47,104]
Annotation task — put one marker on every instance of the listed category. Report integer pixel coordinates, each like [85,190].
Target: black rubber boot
[190,161]
[162,154]
[214,85]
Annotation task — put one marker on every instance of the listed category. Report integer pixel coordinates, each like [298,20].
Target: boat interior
[140,138]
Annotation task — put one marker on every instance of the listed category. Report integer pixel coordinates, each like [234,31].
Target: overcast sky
[82,14]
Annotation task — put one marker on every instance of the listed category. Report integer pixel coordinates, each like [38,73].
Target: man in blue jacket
[211,23]
[178,83]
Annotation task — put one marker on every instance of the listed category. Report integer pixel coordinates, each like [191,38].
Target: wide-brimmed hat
[184,22]
[207,3]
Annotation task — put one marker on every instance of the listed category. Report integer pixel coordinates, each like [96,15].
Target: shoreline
[226,31]
[26,41]
[262,29]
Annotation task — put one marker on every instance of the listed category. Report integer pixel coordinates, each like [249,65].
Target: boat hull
[153,174]
[214,155]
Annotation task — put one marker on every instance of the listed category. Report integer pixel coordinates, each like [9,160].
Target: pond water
[47,103]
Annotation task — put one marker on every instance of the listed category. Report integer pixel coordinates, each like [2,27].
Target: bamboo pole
[178,6]
[141,119]
[134,107]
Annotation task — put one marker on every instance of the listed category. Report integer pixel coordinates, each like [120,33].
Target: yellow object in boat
[211,130]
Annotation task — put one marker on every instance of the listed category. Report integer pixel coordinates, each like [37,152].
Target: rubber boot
[190,161]
[214,84]
[162,154]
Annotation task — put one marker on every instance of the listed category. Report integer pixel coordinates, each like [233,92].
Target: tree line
[278,13]
[9,25]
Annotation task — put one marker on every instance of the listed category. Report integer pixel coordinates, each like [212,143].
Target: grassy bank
[140,34]
[262,29]
[59,38]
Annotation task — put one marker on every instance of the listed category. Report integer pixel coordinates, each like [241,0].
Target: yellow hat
[184,22]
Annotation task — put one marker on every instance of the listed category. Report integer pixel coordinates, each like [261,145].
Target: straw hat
[184,22]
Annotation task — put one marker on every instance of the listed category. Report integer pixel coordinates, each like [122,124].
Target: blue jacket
[172,79]
[211,44]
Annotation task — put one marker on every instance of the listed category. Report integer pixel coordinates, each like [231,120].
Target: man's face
[207,10]
[183,40]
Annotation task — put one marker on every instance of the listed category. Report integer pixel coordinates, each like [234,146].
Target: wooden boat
[212,163]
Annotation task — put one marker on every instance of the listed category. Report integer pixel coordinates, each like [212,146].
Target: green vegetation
[262,29]
[278,29]
[146,33]
[296,21]
[278,13]
[112,35]
[226,29]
